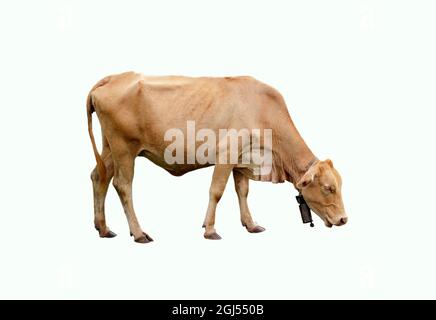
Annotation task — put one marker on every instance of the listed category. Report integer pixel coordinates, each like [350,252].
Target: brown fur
[135,111]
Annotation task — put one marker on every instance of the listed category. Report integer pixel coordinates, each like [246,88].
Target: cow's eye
[329,189]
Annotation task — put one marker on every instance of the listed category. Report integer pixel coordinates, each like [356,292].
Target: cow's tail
[101,168]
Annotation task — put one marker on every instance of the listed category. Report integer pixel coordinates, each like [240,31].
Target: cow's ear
[308,177]
[306,180]
[329,162]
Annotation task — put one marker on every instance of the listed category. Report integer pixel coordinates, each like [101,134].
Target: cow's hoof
[106,234]
[109,234]
[256,229]
[145,238]
[212,236]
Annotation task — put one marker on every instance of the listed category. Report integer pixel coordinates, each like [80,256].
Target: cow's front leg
[241,186]
[123,177]
[220,176]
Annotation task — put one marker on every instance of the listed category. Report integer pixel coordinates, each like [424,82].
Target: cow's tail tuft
[101,168]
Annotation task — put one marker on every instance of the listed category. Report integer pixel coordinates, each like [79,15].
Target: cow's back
[141,108]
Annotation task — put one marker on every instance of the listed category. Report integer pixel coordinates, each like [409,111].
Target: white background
[359,79]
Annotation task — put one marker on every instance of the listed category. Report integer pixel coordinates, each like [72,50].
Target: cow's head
[321,188]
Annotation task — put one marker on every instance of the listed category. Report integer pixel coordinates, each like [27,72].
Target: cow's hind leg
[221,174]
[100,186]
[123,177]
[241,186]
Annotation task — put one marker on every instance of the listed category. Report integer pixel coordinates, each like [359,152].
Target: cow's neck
[296,157]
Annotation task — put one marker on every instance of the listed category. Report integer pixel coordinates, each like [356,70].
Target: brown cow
[136,112]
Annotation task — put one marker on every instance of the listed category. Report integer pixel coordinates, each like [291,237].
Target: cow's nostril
[344,220]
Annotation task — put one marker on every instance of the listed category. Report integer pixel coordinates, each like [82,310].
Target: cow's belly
[251,169]
[175,169]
